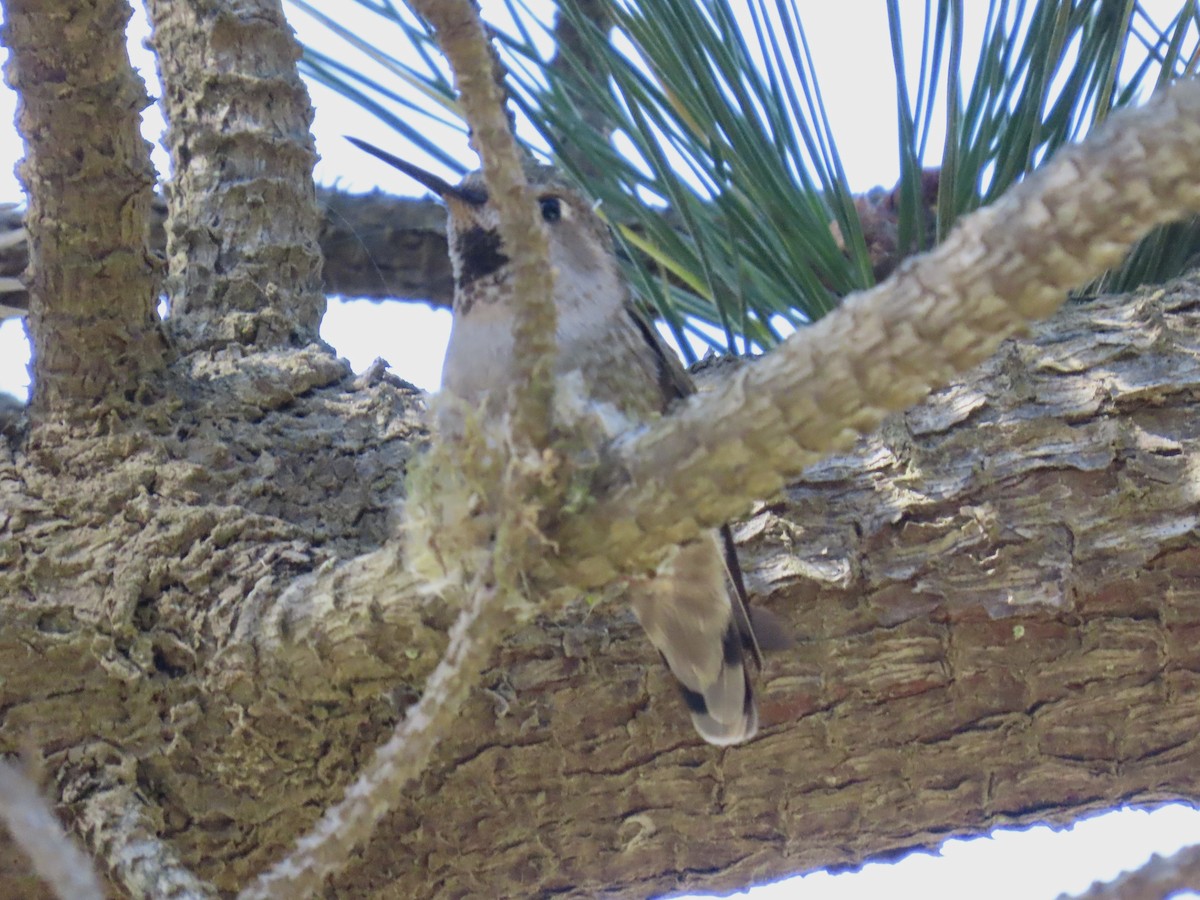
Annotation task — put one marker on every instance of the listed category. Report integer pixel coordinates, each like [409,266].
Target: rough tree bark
[207,628]
[996,598]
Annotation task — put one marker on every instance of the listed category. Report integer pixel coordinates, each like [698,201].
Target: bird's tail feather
[724,712]
[707,637]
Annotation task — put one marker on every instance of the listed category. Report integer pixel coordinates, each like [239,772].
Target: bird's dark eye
[551,209]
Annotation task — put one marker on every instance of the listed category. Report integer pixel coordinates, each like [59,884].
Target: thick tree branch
[243,262]
[89,180]
[882,350]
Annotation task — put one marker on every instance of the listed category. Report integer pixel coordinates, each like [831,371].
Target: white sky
[1031,864]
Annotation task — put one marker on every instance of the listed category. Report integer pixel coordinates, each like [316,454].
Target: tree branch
[118,823]
[380,247]
[33,826]
[1160,877]
[489,596]
[882,350]
[88,177]
[243,262]
[375,246]
[461,37]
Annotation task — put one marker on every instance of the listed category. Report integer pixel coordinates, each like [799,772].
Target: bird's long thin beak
[441,187]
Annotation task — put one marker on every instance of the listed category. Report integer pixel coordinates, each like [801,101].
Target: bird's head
[581,249]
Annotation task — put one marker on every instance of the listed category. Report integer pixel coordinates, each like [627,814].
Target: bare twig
[115,823]
[1160,877]
[326,848]
[461,37]
[33,826]
[488,583]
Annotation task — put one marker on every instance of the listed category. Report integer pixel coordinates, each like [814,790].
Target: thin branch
[490,568]
[326,849]
[115,822]
[884,349]
[1160,877]
[33,826]
[461,36]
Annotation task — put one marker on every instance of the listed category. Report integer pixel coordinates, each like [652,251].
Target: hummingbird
[694,610]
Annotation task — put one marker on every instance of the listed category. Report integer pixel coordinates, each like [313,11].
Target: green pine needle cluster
[699,126]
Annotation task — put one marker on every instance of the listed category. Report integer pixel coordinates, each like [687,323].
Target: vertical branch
[244,264]
[489,583]
[93,286]
[461,37]
[574,55]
